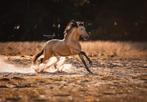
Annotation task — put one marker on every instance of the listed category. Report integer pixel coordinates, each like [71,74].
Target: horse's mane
[70,26]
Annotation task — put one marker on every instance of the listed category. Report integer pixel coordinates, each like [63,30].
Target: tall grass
[115,49]
[92,48]
[20,48]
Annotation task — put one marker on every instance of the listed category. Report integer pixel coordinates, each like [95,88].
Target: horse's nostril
[85,37]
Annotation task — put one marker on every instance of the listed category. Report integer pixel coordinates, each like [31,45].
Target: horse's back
[52,42]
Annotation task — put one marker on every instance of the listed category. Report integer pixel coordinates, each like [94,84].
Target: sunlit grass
[115,49]
[20,48]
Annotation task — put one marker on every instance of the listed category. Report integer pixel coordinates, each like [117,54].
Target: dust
[10,68]
[61,66]
[55,64]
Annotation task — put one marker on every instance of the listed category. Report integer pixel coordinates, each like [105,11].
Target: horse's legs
[81,57]
[60,63]
[51,62]
[57,63]
[47,56]
[83,53]
[78,51]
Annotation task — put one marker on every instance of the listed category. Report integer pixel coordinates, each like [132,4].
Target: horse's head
[82,30]
[79,27]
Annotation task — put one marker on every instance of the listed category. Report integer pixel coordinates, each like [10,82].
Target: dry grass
[20,48]
[113,49]
[92,48]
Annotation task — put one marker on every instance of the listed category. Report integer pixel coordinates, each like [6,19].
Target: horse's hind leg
[51,62]
[56,62]
[60,62]
[47,56]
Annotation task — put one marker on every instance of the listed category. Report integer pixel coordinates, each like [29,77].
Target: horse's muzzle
[85,37]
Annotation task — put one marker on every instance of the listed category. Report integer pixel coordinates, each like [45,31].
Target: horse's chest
[74,46]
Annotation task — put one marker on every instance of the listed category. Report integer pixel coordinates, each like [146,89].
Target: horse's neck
[72,36]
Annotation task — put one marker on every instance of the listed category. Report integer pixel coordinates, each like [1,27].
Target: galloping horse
[68,46]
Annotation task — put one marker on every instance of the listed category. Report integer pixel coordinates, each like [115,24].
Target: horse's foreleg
[81,57]
[83,53]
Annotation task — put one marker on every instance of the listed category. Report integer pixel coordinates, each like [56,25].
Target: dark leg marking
[81,57]
[83,53]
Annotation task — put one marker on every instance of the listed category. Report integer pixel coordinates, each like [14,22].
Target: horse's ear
[81,23]
[72,20]
[74,23]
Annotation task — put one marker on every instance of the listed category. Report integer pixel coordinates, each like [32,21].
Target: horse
[68,46]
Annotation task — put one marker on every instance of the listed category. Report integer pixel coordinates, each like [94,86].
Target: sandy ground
[115,80]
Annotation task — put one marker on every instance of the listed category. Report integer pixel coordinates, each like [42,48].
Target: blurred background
[40,20]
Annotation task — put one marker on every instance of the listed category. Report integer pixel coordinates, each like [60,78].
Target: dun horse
[68,46]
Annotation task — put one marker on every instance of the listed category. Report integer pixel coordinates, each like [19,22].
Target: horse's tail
[37,55]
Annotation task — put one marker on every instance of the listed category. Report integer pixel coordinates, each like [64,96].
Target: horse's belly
[61,50]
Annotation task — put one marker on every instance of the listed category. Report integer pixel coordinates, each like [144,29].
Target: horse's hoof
[36,70]
[90,73]
[90,63]
[39,70]
[44,71]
